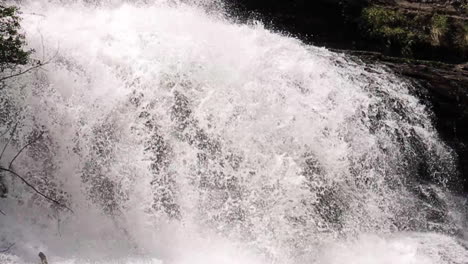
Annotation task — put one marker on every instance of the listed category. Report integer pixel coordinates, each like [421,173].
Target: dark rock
[43,258]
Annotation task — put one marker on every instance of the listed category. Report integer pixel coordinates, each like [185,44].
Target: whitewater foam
[179,136]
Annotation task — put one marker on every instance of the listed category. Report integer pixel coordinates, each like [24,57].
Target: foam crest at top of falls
[170,132]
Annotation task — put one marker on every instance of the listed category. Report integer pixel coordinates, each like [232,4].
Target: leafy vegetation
[439,28]
[12,55]
[12,41]
[394,28]
[404,33]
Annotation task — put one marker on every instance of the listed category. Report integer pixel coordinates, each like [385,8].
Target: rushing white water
[177,136]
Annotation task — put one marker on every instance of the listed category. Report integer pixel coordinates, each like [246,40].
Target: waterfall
[179,136]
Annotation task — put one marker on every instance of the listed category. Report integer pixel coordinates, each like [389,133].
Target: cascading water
[177,136]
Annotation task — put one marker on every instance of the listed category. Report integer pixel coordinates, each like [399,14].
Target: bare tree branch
[36,14]
[38,65]
[7,248]
[1,212]
[24,147]
[13,73]
[8,142]
[42,44]
[12,172]
[22,72]
[4,133]
[36,190]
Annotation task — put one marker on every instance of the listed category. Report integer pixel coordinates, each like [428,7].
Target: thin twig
[36,190]
[58,223]
[7,248]
[40,64]
[42,44]
[1,212]
[23,148]
[9,139]
[22,72]
[35,14]
[4,133]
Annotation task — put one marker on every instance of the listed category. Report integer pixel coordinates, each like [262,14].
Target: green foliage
[394,28]
[439,28]
[12,54]
[12,41]
[404,32]
[380,17]
[440,22]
